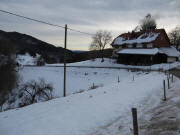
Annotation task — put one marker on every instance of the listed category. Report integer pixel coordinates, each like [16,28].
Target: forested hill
[22,43]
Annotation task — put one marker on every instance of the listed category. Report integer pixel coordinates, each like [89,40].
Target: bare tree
[174,37]
[148,23]
[100,40]
[8,74]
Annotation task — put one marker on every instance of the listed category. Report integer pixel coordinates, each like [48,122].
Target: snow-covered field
[90,112]
[78,79]
[82,113]
[112,63]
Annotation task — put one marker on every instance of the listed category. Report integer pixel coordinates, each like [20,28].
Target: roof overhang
[152,51]
[169,51]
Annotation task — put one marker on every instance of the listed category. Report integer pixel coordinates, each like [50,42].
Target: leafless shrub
[33,91]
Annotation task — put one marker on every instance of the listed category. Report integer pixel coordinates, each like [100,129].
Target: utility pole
[65,43]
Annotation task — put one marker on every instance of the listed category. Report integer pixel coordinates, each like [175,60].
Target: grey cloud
[86,15]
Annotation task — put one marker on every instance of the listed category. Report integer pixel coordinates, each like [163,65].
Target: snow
[84,77]
[111,63]
[144,38]
[172,52]
[83,113]
[154,116]
[27,59]
[153,51]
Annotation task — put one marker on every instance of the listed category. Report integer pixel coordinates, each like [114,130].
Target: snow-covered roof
[156,37]
[139,51]
[169,51]
[144,38]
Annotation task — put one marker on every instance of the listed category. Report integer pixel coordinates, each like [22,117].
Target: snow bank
[83,113]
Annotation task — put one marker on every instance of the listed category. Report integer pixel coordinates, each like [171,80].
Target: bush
[33,92]
[8,74]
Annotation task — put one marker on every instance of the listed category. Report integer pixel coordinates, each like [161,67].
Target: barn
[144,48]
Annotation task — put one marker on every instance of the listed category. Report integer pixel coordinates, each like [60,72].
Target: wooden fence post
[168,83]
[172,78]
[164,87]
[135,122]
[133,77]
[118,79]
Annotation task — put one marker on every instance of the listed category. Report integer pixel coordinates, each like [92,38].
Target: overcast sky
[117,16]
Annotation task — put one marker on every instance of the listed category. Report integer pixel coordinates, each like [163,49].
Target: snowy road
[154,118]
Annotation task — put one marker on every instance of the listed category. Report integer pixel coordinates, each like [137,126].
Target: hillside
[22,43]
[84,112]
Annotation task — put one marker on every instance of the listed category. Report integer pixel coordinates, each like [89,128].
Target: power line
[80,31]
[43,22]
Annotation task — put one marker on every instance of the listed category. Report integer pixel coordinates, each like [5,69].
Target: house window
[130,46]
[149,45]
[139,45]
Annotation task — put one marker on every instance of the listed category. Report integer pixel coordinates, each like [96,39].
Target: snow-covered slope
[84,77]
[83,113]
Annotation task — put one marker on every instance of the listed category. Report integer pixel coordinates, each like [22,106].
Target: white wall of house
[171,59]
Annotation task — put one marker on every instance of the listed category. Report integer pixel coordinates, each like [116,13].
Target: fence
[134,110]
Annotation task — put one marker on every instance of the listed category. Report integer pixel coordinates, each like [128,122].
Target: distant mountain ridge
[22,43]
